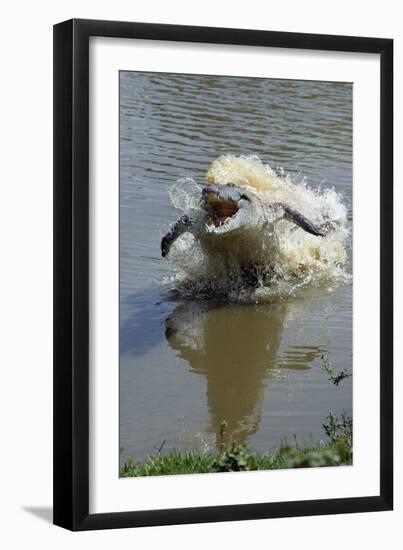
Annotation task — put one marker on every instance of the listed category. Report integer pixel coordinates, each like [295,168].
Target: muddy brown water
[187,365]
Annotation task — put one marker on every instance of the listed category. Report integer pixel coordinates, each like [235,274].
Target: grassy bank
[337,452]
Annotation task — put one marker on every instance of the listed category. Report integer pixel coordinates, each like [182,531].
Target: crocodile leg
[296,217]
[180,226]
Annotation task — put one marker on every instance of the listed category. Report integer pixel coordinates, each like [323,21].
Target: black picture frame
[71,274]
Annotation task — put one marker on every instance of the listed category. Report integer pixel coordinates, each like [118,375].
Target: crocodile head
[228,208]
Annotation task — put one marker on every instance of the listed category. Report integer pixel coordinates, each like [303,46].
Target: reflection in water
[236,349]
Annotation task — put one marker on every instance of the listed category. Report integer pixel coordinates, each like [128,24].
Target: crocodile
[234,221]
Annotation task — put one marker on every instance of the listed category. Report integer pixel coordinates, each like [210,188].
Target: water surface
[187,365]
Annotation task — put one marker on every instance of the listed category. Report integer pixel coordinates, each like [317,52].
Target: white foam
[302,260]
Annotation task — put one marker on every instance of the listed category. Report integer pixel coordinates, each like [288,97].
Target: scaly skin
[235,221]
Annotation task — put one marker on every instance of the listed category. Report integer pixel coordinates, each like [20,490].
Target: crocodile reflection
[236,348]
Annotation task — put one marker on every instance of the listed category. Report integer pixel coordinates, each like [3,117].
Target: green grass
[334,376]
[238,458]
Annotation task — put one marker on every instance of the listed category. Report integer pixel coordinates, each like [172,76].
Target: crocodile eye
[243,196]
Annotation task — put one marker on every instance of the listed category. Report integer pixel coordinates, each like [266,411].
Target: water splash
[296,260]
[185,194]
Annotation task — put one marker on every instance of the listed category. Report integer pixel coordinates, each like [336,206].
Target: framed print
[223,317]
